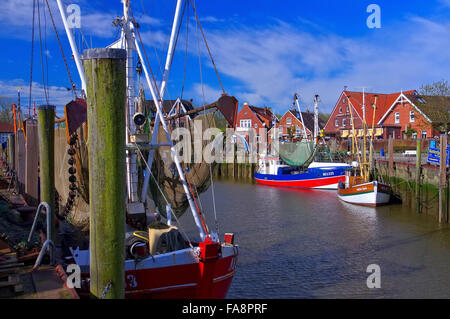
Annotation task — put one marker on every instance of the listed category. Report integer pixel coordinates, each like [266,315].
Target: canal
[307,244]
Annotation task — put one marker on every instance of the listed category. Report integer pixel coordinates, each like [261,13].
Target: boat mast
[316,118]
[305,135]
[73,46]
[162,92]
[364,166]
[158,103]
[132,179]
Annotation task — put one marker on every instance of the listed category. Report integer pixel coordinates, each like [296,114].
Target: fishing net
[297,154]
[166,174]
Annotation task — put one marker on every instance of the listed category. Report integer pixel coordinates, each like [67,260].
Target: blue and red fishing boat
[322,175]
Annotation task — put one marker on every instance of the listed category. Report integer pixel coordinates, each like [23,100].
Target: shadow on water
[301,243]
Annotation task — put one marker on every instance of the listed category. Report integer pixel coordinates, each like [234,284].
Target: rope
[32,53]
[160,190]
[42,61]
[207,47]
[216,224]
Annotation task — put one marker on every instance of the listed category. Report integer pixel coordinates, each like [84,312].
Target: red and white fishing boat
[357,189]
[366,194]
[161,262]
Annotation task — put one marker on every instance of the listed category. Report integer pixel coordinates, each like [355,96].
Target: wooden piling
[106,92]
[46,136]
[11,151]
[443,179]
[418,172]
[391,156]
[20,161]
[31,165]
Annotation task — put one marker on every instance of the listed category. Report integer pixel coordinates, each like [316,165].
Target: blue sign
[434,155]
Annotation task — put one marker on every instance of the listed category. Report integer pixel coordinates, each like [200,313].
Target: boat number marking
[131,281]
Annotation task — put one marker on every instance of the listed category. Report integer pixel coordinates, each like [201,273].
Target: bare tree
[439,88]
[6,110]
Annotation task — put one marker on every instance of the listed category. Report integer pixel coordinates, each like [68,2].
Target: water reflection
[298,243]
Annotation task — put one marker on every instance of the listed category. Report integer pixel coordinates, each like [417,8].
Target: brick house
[423,116]
[340,124]
[254,117]
[290,125]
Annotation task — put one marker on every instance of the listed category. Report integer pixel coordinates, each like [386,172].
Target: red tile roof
[384,102]
[6,128]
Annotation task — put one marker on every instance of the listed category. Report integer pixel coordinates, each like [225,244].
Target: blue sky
[265,50]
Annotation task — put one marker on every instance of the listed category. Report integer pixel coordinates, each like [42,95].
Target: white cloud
[272,63]
[58,96]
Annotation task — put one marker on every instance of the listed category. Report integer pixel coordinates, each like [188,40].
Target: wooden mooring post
[106,97]
[11,151]
[391,156]
[46,137]
[443,192]
[418,172]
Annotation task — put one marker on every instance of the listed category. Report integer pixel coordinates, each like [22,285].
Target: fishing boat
[161,261]
[357,188]
[295,165]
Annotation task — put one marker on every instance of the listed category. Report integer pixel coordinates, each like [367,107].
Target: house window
[411,116]
[347,110]
[280,129]
[397,117]
[256,125]
[297,129]
[344,122]
[424,134]
[288,121]
[336,122]
[414,136]
[340,109]
[246,123]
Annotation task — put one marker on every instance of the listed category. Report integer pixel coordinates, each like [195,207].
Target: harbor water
[298,243]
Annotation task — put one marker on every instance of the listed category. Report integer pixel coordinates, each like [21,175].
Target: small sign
[434,155]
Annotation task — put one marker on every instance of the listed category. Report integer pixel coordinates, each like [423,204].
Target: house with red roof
[359,105]
[252,117]
[424,116]
[291,123]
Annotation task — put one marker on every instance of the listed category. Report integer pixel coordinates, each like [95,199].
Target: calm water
[307,244]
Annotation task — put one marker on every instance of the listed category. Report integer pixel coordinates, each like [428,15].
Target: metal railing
[48,245]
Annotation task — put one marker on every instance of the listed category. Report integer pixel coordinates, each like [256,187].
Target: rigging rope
[42,61]
[32,53]
[159,188]
[207,46]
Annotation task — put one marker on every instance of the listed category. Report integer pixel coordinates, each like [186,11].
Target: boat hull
[318,178]
[367,194]
[179,275]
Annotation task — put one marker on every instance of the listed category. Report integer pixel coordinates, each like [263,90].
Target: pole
[158,104]
[316,118]
[46,136]
[73,46]
[443,178]
[418,172]
[106,97]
